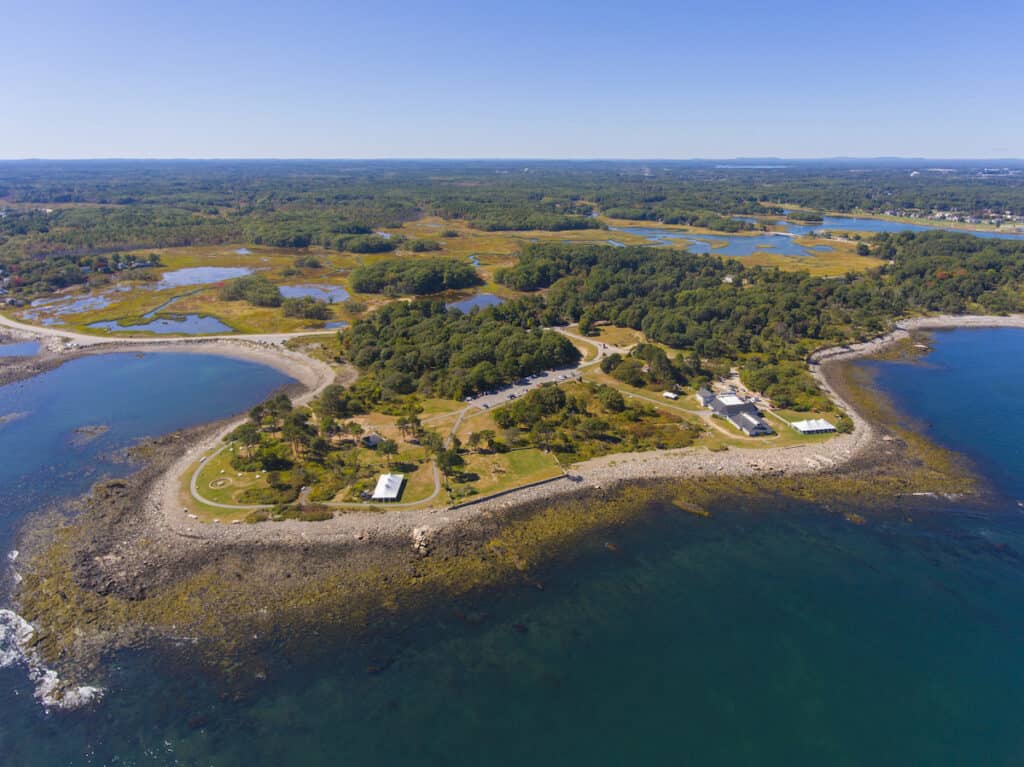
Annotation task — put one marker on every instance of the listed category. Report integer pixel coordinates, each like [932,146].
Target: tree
[248,434]
[473,441]
[389,448]
[432,441]
[488,436]
[449,462]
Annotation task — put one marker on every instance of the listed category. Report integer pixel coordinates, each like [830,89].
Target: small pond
[329,294]
[479,301]
[201,275]
[188,324]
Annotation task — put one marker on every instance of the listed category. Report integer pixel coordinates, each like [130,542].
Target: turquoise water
[772,633]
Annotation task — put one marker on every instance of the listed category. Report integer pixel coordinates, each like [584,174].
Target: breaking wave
[15,635]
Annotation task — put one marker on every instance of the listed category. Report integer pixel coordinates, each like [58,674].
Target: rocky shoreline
[128,568]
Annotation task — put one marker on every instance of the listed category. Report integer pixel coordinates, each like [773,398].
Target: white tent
[389,487]
[813,426]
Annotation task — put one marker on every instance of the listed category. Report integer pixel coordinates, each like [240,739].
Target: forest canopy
[420,277]
[421,347]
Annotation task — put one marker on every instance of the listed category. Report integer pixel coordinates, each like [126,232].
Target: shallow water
[200,275]
[771,633]
[724,245]
[185,324]
[21,349]
[478,301]
[874,225]
[332,294]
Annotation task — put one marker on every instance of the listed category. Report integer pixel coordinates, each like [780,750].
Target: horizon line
[747,158]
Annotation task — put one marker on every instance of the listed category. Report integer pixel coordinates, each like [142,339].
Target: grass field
[496,472]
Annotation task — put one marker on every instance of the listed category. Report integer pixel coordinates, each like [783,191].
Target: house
[750,424]
[742,414]
[727,405]
[704,396]
[813,426]
[669,395]
[389,487]
[371,440]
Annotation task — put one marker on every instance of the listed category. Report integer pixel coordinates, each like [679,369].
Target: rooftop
[814,424]
[388,488]
[730,399]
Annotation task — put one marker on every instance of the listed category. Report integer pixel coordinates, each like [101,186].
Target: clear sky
[396,78]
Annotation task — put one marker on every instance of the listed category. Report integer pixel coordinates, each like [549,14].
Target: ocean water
[771,633]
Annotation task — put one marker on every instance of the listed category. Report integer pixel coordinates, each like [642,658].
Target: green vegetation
[584,420]
[766,319]
[414,276]
[422,347]
[306,308]
[255,289]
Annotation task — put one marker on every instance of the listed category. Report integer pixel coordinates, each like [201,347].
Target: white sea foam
[15,634]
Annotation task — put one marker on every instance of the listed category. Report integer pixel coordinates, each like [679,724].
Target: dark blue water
[772,633]
[133,395]
[978,409]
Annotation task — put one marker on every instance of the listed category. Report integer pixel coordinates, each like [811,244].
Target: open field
[496,472]
[840,260]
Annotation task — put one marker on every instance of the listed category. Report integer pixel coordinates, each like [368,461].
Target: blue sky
[511,79]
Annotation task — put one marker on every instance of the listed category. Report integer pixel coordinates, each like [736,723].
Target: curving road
[194,490]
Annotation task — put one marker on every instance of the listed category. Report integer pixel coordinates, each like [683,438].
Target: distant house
[813,426]
[372,439]
[389,487]
[705,396]
[669,395]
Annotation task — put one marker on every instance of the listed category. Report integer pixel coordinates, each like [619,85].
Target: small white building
[813,426]
[389,487]
[669,395]
[705,396]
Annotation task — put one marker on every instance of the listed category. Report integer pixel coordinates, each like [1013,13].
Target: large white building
[389,487]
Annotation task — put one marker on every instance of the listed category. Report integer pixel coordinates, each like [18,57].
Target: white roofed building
[813,426]
[389,487]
